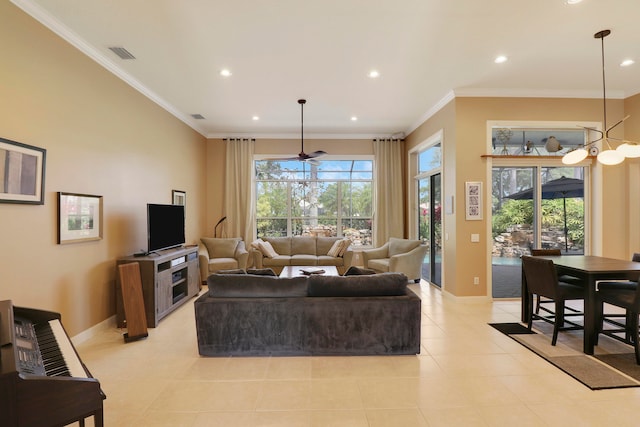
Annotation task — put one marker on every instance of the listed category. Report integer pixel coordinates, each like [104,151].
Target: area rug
[612,366]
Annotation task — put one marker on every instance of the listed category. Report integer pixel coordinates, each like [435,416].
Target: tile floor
[467,374]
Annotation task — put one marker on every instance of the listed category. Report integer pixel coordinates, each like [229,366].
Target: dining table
[591,269]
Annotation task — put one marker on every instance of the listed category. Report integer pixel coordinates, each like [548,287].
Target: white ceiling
[322,50]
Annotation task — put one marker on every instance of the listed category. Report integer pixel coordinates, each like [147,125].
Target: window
[330,198]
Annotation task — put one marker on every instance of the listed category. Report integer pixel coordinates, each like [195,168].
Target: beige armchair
[221,254]
[397,255]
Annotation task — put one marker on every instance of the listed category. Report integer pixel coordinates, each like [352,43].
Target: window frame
[339,218]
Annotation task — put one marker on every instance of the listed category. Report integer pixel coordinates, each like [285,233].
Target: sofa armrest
[242,255]
[203,258]
[377,253]
[347,258]
[257,257]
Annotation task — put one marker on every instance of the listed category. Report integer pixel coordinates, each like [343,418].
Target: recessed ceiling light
[354,119]
[255,118]
[374,74]
[225,73]
[572,1]
[500,59]
[627,62]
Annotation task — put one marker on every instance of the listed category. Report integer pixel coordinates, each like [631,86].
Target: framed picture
[179,197]
[21,173]
[79,218]
[473,199]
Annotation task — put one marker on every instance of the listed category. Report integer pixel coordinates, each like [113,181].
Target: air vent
[122,52]
[198,116]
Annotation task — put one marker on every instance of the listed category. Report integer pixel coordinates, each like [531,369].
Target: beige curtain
[238,193]
[388,215]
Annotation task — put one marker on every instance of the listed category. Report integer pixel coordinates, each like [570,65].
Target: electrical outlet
[476,280]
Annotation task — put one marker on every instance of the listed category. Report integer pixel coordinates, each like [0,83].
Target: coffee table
[296,270]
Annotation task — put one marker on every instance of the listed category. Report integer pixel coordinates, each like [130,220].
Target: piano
[43,382]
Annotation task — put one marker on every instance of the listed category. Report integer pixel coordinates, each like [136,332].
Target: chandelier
[609,155]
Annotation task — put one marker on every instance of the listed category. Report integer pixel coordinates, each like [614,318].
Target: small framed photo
[179,197]
[473,199]
[21,173]
[79,218]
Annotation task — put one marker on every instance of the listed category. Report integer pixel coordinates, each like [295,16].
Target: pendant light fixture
[609,155]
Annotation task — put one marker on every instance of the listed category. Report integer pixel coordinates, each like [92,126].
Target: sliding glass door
[430,226]
[533,207]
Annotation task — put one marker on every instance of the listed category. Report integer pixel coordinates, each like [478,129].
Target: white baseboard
[481,299]
[108,323]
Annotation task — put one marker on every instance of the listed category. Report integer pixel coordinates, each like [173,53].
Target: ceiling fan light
[610,157]
[575,156]
[629,150]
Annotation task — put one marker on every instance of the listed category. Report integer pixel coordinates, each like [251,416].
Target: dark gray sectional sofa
[252,315]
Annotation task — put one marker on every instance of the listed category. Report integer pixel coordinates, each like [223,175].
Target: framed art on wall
[22,169]
[179,197]
[473,199]
[79,218]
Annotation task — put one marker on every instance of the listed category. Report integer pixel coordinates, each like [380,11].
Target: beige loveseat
[221,254]
[300,250]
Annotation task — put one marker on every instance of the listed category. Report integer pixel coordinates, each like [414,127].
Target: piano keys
[43,381]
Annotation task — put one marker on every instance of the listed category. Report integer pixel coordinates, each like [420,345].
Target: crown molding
[529,93]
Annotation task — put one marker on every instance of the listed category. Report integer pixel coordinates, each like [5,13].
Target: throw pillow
[335,249]
[267,250]
[261,271]
[343,248]
[256,244]
[359,271]
[220,248]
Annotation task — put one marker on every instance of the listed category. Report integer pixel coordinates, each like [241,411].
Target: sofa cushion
[303,245]
[323,244]
[232,271]
[216,264]
[330,260]
[381,264]
[267,250]
[385,284]
[250,286]
[279,261]
[282,245]
[220,248]
[304,259]
[402,246]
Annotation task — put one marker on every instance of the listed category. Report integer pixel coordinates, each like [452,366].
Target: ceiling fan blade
[317,154]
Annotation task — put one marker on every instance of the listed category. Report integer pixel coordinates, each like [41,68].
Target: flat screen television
[165,226]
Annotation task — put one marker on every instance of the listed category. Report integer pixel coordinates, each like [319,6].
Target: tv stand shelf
[169,279]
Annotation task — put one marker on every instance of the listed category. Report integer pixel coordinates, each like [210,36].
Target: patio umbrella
[562,188]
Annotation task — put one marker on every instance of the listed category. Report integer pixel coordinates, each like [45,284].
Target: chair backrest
[636,257]
[541,276]
[545,252]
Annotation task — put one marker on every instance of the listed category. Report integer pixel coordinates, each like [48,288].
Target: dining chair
[625,285]
[542,280]
[564,278]
[629,300]
[621,284]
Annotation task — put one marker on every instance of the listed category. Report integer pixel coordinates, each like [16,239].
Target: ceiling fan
[302,156]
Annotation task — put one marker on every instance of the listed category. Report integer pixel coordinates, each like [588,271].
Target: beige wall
[466,126]
[102,137]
